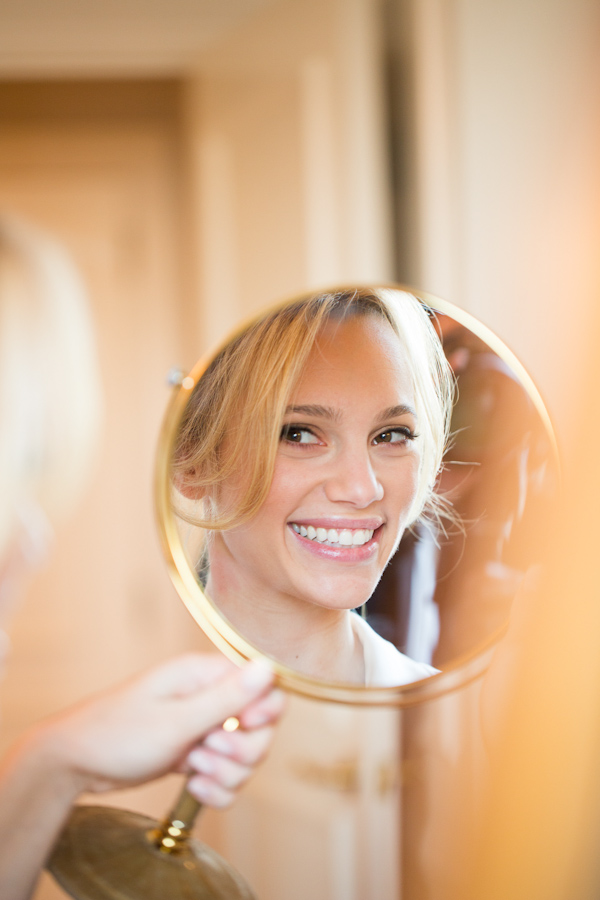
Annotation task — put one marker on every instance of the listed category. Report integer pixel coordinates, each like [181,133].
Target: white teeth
[347,537]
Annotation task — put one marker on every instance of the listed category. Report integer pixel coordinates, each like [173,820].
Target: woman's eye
[395,436]
[293,434]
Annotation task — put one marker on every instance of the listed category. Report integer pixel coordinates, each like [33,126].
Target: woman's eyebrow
[327,412]
[403,409]
[320,412]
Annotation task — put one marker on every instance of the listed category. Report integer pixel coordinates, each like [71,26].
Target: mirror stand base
[113,854]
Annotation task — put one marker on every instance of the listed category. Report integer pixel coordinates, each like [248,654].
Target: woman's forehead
[347,342]
[354,354]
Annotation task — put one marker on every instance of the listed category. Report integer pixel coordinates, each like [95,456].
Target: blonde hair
[49,382]
[232,423]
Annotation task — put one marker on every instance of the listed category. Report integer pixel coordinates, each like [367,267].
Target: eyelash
[406,433]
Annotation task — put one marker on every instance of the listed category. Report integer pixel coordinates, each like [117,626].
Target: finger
[227,697]
[188,674]
[246,747]
[205,790]
[226,772]
[265,710]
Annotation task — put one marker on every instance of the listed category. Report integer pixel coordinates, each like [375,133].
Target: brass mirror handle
[172,835]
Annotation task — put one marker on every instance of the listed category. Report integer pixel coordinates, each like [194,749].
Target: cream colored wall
[125,39]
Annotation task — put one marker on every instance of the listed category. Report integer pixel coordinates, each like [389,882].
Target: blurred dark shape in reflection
[443,594]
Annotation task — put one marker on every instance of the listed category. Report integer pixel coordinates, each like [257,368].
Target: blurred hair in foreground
[49,380]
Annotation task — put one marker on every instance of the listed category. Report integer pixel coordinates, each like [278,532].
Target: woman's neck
[314,640]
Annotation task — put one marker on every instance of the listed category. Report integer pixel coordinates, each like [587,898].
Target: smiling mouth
[334,537]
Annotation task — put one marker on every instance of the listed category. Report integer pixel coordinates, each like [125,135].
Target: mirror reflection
[346,509]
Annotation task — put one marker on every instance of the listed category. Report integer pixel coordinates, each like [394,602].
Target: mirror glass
[350,485]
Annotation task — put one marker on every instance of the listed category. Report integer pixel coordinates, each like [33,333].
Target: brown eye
[395,436]
[293,434]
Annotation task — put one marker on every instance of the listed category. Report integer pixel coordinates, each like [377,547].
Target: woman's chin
[339,597]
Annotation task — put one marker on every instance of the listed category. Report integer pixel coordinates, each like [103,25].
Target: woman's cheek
[291,481]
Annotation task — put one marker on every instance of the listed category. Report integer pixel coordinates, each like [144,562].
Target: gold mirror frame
[226,638]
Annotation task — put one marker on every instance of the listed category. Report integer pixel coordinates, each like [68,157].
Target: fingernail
[256,674]
[278,699]
[201,790]
[255,720]
[216,740]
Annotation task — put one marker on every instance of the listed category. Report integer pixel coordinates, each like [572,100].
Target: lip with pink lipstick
[350,540]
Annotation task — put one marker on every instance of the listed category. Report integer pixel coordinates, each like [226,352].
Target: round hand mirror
[345,487]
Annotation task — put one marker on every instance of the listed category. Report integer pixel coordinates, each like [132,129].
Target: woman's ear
[186,483]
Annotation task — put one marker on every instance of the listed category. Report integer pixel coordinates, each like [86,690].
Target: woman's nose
[353,480]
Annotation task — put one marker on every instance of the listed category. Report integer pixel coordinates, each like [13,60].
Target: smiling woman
[310,444]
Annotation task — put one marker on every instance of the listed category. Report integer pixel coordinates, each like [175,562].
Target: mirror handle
[172,835]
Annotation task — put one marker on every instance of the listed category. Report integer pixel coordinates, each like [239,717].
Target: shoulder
[385,666]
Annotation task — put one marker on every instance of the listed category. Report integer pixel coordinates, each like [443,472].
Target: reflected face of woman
[345,477]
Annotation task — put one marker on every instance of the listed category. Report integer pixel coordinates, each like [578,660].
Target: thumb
[227,697]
